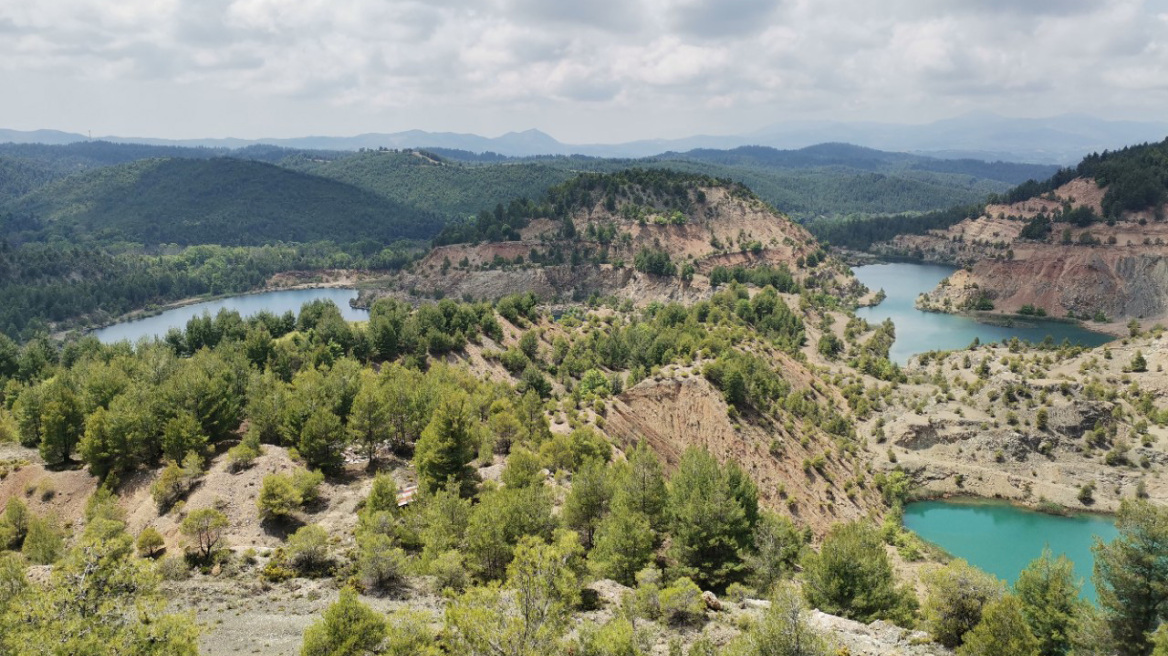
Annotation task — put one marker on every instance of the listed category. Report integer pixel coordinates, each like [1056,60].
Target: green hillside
[865,159]
[220,200]
[438,185]
[1136,178]
[808,194]
[20,176]
[824,181]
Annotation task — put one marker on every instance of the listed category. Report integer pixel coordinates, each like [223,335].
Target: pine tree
[624,544]
[1131,575]
[347,627]
[205,526]
[588,500]
[62,424]
[382,495]
[851,575]
[369,419]
[957,595]
[322,440]
[641,487]
[447,446]
[182,435]
[707,522]
[1050,601]
[1003,631]
[1138,362]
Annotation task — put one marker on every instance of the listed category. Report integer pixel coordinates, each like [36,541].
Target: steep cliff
[1023,254]
[642,236]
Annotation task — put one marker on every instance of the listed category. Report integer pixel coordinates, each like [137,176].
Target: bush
[278,497]
[242,456]
[277,569]
[9,430]
[205,526]
[410,635]
[43,544]
[45,488]
[617,637]
[737,593]
[646,598]
[149,542]
[681,602]
[851,576]
[284,494]
[783,630]
[308,549]
[449,571]
[307,484]
[957,594]
[173,568]
[347,627]
[380,565]
[13,576]
[14,524]
[176,481]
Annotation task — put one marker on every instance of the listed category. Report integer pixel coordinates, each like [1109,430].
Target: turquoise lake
[1002,539]
[917,331]
[247,305]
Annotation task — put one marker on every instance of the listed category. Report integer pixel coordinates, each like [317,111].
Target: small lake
[277,302]
[1002,539]
[917,331]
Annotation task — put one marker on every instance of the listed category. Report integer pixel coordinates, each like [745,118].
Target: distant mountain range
[1056,140]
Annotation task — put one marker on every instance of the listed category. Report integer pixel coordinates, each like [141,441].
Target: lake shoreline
[919,331]
[278,301]
[346,280]
[1042,506]
[1002,538]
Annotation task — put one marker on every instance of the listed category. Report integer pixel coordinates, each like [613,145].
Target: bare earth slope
[1120,270]
[722,227]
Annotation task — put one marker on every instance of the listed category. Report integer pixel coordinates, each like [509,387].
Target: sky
[585,71]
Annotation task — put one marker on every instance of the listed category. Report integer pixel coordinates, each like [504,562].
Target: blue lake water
[917,331]
[1002,539]
[277,302]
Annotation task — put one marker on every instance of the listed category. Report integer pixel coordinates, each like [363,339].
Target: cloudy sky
[581,70]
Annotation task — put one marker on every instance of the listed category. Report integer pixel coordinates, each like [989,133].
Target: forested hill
[864,159]
[631,193]
[828,180]
[425,180]
[220,200]
[1135,179]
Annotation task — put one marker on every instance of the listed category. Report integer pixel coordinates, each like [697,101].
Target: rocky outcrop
[1034,426]
[876,639]
[680,409]
[1119,270]
[722,228]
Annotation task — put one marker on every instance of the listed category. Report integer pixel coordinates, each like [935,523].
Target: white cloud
[589,70]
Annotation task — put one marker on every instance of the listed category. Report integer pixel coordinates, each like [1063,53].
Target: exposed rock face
[722,228]
[1034,426]
[876,639]
[676,413]
[1120,270]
